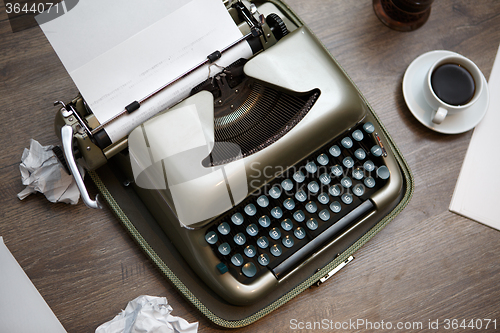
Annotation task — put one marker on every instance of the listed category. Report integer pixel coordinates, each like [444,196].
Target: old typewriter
[266,172]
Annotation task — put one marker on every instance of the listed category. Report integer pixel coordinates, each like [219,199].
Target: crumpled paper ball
[42,172]
[147,314]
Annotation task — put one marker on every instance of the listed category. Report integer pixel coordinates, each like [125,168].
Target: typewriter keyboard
[303,209]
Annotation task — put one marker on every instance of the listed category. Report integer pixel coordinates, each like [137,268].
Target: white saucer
[413,82]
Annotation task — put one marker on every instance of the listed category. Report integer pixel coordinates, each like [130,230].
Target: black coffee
[453,84]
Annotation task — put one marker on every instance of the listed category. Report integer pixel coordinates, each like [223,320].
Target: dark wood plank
[428,264]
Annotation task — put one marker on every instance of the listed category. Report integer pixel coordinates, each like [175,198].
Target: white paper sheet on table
[115,63]
[22,308]
[477,193]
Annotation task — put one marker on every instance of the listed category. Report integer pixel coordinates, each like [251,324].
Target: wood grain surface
[426,265]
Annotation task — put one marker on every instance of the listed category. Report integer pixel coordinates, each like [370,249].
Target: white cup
[441,108]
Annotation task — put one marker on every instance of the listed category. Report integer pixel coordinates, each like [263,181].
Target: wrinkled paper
[147,314]
[42,172]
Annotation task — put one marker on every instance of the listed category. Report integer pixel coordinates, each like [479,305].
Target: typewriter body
[293,167]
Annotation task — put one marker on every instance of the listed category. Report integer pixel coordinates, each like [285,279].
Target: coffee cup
[453,84]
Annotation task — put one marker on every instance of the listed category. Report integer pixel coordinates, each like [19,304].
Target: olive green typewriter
[261,182]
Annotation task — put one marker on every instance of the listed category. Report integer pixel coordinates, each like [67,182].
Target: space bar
[309,249]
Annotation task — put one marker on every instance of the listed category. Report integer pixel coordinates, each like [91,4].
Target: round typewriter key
[358,174]
[346,142]
[287,225]
[383,172]
[287,184]
[312,224]
[262,242]
[299,233]
[325,179]
[252,230]
[346,198]
[250,251]
[324,215]
[299,216]
[335,207]
[301,196]
[276,250]
[369,166]
[250,209]
[334,151]
[346,182]
[237,260]
[369,182]
[287,241]
[211,237]
[239,238]
[224,249]
[376,151]
[289,204]
[369,128]
[311,167]
[299,177]
[335,190]
[263,259]
[313,187]
[249,269]
[275,192]
[263,201]
[348,162]
[323,198]
[358,190]
[323,159]
[337,170]
[237,218]
[275,233]
[311,207]
[360,154]
[265,221]
[224,228]
[276,212]
[357,135]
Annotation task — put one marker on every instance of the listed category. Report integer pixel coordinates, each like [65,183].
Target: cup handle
[439,116]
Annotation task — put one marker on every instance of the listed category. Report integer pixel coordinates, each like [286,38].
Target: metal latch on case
[335,270]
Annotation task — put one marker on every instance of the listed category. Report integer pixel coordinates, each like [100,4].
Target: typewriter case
[139,211]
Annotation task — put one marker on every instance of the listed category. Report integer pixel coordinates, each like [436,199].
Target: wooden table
[426,265]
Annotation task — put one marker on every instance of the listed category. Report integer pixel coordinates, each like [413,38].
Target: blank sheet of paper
[22,308]
[477,193]
[113,68]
